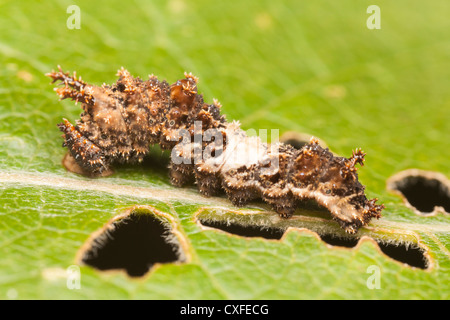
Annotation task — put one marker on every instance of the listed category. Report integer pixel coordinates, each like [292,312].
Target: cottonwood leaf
[313,68]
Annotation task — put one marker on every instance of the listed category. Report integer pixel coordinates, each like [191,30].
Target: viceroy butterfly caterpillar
[121,121]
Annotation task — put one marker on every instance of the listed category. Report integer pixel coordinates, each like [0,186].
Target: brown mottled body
[121,121]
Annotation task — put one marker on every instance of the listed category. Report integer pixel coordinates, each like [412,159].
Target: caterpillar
[121,121]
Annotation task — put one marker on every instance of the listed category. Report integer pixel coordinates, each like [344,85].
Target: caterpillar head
[333,182]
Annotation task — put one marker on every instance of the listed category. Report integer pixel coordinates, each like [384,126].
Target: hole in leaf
[406,253]
[297,144]
[411,255]
[338,241]
[298,140]
[426,191]
[133,243]
[244,231]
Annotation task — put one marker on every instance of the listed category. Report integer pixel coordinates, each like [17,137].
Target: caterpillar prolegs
[121,121]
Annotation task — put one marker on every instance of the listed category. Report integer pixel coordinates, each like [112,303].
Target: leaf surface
[310,67]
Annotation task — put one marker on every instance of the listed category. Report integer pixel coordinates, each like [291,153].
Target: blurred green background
[308,66]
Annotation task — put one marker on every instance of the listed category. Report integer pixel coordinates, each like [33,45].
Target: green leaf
[311,67]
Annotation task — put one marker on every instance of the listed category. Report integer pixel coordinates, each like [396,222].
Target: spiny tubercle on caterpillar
[121,121]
